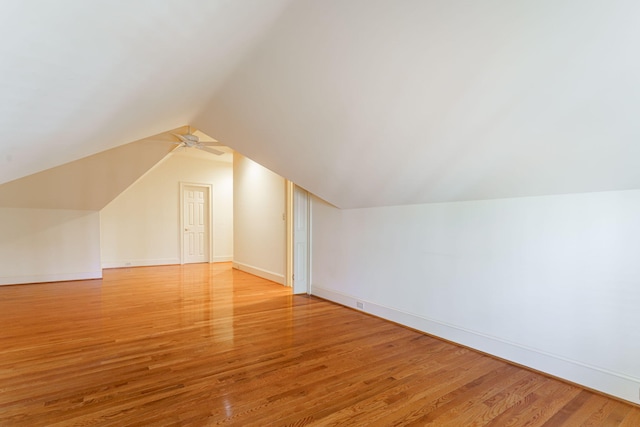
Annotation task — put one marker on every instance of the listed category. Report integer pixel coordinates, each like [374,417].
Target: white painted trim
[269,275]
[222,258]
[122,263]
[41,278]
[310,248]
[157,261]
[289,230]
[296,195]
[209,188]
[613,383]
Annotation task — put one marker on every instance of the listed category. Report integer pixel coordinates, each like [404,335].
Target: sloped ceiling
[79,77]
[369,103]
[362,102]
[89,183]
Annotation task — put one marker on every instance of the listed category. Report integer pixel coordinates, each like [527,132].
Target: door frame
[290,227]
[288,197]
[209,234]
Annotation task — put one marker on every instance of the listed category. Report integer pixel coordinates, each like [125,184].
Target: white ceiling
[363,102]
[79,77]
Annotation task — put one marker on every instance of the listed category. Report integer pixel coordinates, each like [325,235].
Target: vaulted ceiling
[362,102]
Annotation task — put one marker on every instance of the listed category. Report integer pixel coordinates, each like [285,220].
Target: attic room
[471,167]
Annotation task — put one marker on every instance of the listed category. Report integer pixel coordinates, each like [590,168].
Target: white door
[300,241]
[195,221]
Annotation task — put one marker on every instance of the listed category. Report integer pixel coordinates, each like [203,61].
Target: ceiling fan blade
[211,143]
[210,150]
[180,137]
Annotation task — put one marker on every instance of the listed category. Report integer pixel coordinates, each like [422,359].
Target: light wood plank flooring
[205,345]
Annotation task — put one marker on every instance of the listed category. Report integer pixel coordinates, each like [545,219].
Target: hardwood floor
[206,345]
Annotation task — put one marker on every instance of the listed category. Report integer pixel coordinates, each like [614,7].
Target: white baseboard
[606,381]
[222,258]
[157,261]
[139,262]
[41,278]
[269,275]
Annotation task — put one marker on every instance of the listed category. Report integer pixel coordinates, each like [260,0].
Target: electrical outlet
[360,305]
[127,264]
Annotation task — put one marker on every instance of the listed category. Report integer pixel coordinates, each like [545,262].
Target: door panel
[300,241]
[195,205]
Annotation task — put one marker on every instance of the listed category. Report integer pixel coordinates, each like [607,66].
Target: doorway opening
[195,223]
[298,239]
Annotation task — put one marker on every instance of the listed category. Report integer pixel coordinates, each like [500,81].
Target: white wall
[142,225]
[259,225]
[42,245]
[549,282]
